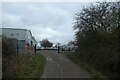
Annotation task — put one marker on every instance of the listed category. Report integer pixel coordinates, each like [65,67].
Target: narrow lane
[52,69]
[59,66]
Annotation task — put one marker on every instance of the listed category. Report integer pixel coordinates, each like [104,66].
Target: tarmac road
[59,66]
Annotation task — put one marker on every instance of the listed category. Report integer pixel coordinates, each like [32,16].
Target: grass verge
[25,66]
[39,63]
[93,72]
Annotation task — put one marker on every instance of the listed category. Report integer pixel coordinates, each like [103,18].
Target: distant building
[25,40]
[69,46]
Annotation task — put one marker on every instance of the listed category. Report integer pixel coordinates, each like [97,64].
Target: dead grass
[25,66]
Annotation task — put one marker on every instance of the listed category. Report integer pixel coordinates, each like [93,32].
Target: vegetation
[39,63]
[20,66]
[93,72]
[98,37]
[6,47]
[45,43]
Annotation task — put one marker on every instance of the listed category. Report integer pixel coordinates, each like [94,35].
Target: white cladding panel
[14,33]
[34,41]
[20,34]
[29,37]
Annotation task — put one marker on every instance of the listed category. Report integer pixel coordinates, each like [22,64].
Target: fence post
[58,49]
[35,48]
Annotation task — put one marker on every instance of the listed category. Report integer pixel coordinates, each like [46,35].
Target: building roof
[14,28]
[18,29]
[22,29]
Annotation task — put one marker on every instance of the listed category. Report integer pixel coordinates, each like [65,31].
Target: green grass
[39,63]
[93,72]
[25,66]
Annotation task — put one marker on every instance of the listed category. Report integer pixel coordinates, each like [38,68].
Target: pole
[58,49]
[35,48]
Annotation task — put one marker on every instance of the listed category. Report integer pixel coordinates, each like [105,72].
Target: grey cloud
[45,20]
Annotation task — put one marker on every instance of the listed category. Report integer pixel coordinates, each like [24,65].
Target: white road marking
[49,58]
[60,70]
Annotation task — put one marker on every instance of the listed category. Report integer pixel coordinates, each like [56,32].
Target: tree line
[98,37]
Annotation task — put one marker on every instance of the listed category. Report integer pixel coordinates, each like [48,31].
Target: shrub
[98,37]
[8,52]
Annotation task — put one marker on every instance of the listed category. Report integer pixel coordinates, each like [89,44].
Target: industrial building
[25,40]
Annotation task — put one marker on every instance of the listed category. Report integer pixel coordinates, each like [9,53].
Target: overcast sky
[51,20]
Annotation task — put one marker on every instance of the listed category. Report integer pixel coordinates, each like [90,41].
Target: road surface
[59,66]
